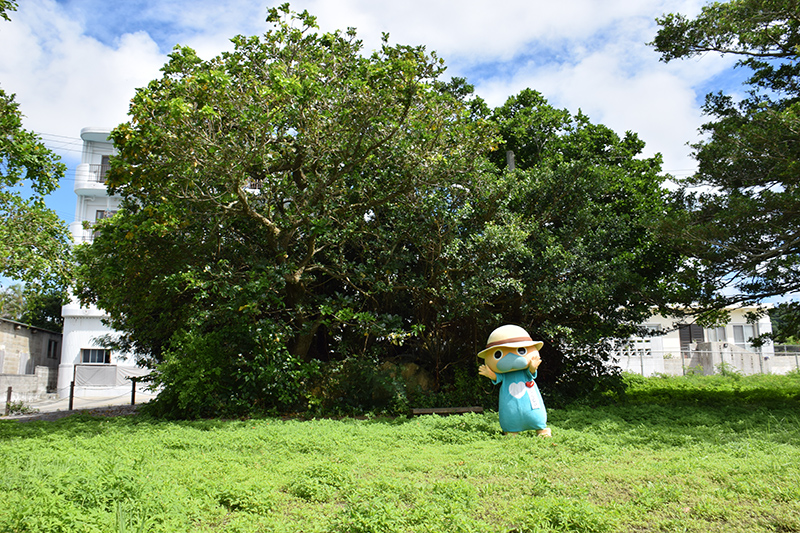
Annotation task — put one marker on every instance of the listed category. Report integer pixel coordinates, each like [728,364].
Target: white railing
[98,172]
[709,358]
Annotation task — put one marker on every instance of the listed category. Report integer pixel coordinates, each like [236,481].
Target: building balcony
[80,234]
[75,310]
[90,179]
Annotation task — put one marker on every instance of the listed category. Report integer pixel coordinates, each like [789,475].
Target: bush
[464,387]
[209,375]
[359,385]
[20,408]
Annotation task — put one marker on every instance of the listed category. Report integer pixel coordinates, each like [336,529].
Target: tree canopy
[31,306]
[575,234]
[295,212]
[743,203]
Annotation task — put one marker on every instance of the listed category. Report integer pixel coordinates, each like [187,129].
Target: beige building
[677,346]
[29,358]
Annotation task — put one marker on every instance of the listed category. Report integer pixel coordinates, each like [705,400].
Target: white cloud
[64,79]
[474,28]
[76,63]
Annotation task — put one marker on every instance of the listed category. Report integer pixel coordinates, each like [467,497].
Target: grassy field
[679,454]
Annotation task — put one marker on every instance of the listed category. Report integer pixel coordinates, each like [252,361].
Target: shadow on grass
[694,410]
[660,411]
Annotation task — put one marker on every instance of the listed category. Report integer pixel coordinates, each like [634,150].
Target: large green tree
[34,241]
[249,182]
[743,204]
[574,245]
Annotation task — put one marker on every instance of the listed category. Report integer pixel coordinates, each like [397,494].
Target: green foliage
[320,482]
[742,205]
[130,521]
[465,388]
[359,385]
[692,454]
[217,374]
[572,247]
[785,319]
[32,306]
[12,302]
[727,370]
[579,223]
[568,514]
[255,187]
[718,390]
[5,6]
[43,309]
[34,241]
[755,29]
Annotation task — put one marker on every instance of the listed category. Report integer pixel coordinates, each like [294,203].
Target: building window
[743,335]
[52,349]
[99,215]
[96,355]
[690,333]
[100,170]
[646,345]
[104,166]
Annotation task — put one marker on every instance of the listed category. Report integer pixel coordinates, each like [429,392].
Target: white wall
[649,355]
[83,327]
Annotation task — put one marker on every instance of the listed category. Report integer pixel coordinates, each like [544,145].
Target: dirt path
[111,410]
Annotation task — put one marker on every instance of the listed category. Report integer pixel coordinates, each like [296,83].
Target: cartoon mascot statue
[512,359]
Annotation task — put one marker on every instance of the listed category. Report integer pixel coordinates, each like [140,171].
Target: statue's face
[507,359]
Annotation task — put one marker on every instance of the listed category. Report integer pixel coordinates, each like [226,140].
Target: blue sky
[77,63]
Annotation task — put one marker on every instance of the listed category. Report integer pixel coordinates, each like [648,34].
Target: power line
[61,136]
[61,143]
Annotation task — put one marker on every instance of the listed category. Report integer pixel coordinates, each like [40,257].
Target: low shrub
[20,408]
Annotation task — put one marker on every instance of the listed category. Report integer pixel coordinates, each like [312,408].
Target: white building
[677,348]
[95,370]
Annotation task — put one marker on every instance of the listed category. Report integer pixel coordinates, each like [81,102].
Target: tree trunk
[303,340]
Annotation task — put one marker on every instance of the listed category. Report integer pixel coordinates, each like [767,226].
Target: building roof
[95,134]
[19,325]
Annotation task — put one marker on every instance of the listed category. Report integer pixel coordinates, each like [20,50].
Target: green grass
[679,454]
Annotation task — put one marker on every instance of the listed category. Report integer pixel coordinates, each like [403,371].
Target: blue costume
[521,407]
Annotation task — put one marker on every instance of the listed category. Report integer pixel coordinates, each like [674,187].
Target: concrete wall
[25,387]
[783,364]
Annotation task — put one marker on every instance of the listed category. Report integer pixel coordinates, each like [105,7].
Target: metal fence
[690,360]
